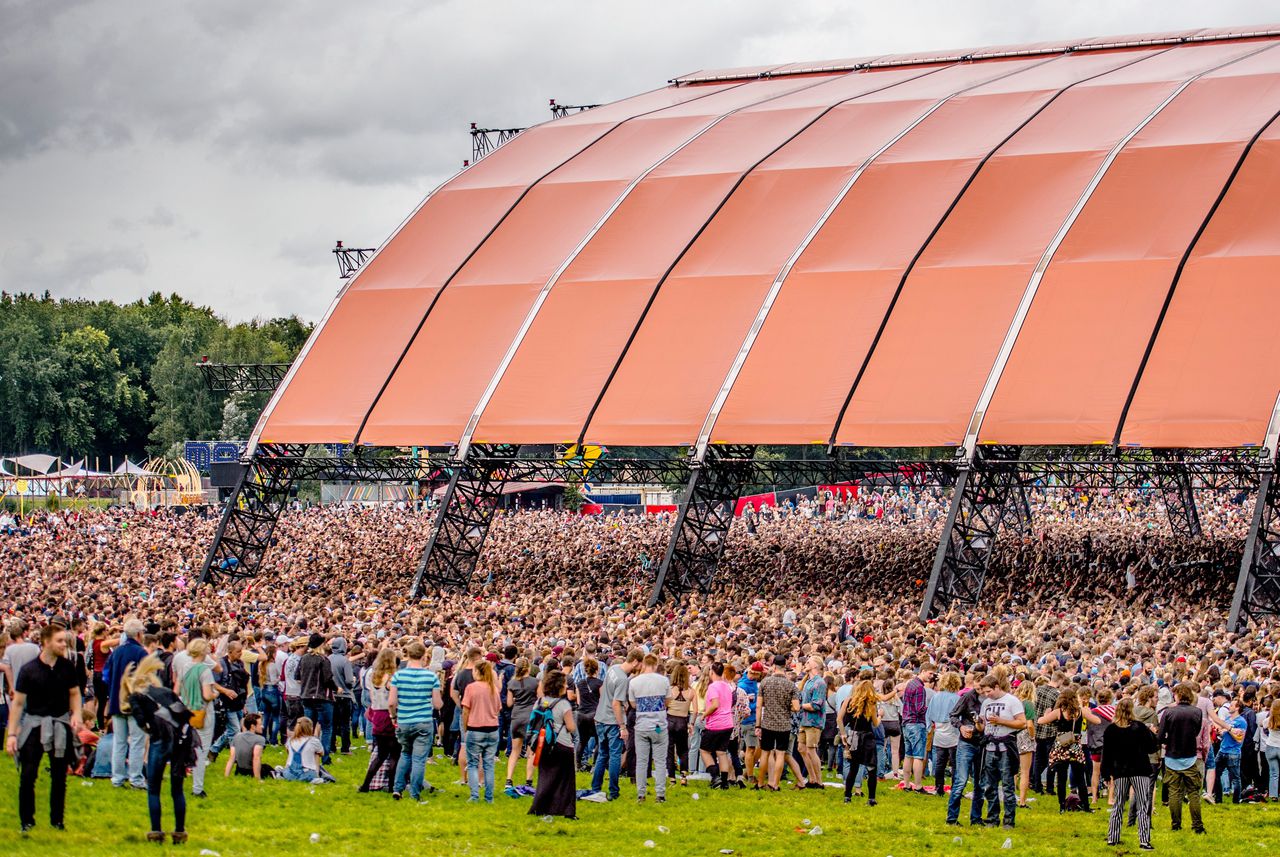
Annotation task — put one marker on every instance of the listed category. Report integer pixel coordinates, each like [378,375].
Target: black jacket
[1180,729]
[966,712]
[1126,752]
[315,674]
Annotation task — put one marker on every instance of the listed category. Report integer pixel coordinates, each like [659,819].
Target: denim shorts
[913,740]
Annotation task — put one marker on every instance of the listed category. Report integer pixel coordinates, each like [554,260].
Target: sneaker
[1147,847]
[57,825]
[848,800]
[871,801]
[661,799]
[26,828]
[201,794]
[396,795]
[639,798]
[510,791]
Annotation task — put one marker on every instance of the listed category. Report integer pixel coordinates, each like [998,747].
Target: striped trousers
[1142,789]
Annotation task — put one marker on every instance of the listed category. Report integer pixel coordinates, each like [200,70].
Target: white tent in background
[38,463]
[128,468]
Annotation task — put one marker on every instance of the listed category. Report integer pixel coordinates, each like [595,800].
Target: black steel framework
[559,111]
[1257,593]
[485,140]
[462,522]
[242,377]
[246,530]
[702,524]
[1178,490]
[984,492]
[350,259]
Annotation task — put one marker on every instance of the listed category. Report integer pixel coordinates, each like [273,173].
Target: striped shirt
[414,686]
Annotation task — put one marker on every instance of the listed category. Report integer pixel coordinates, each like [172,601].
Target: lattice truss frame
[242,377]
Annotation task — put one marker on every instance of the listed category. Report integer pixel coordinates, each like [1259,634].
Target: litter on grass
[1008,843]
[315,837]
[806,822]
[662,829]
[205,852]
[815,831]
[649,843]
[694,795]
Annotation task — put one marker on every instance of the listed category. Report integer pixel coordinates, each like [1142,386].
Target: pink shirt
[483,704]
[722,718]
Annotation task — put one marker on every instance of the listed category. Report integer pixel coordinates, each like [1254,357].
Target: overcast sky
[217,148]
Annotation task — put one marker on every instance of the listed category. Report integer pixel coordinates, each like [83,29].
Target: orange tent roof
[1061,243]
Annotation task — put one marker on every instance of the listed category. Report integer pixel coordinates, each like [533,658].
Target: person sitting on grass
[246,749]
[304,754]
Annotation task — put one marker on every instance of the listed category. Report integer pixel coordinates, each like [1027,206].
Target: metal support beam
[462,523]
[246,529]
[350,259]
[242,377]
[1174,480]
[485,140]
[702,524]
[559,111]
[1257,593]
[985,489]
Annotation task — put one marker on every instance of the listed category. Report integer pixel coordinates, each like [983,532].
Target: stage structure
[351,258]
[486,140]
[242,377]
[979,252]
[559,111]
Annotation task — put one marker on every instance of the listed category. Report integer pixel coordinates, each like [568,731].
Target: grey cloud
[69,272]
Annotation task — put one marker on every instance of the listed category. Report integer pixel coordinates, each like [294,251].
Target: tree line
[101,379]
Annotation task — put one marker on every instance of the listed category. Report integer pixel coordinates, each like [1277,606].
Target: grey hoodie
[343,675]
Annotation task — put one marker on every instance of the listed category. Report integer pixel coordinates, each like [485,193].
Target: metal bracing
[1179,494]
[245,531]
[1257,593]
[702,524]
[986,487]
[485,140]
[350,259]
[559,111]
[462,523]
[242,377]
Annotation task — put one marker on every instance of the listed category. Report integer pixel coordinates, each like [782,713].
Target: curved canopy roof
[1069,243]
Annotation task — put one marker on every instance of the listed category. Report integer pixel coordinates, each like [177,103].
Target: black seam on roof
[893,302]
[741,178]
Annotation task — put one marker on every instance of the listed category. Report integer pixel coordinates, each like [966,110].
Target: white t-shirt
[309,751]
[1007,707]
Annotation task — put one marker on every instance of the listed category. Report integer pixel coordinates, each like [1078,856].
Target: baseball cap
[756,667]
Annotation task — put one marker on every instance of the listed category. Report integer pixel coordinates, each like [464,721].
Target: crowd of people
[1098,669]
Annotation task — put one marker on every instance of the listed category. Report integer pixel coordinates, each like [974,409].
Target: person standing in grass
[45,690]
[1026,739]
[858,718]
[813,697]
[679,698]
[1126,762]
[522,696]
[129,746]
[159,713]
[1002,719]
[647,694]
[556,793]
[377,695]
[480,709]
[611,723]
[778,700]
[945,735]
[198,690]
[414,696]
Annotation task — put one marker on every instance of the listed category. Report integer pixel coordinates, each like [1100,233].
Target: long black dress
[557,789]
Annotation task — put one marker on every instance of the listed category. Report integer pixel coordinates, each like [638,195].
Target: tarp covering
[1061,243]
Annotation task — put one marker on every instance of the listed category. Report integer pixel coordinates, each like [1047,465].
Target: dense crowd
[806,658]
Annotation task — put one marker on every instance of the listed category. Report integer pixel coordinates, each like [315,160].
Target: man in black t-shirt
[45,717]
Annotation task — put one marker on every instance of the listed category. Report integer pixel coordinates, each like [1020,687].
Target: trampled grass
[276,819]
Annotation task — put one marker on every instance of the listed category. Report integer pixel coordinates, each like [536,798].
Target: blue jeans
[610,753]
[968,760]
[415,746]
[320,713]
[273,726]
[1231,765]
[1273,767]
[233,727]
[130,740]
[482,749]
[158,756]
[913,740]
[997,776]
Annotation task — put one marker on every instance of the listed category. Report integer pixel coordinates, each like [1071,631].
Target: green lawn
[276,819]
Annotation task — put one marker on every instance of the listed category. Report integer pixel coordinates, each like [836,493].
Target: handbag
[197,719]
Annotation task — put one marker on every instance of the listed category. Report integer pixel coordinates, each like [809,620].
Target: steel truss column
[985,489]
[702,524]
[249,519]
[1257,592]
[462,524]
[1173,477]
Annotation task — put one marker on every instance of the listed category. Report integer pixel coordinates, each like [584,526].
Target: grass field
[276,819]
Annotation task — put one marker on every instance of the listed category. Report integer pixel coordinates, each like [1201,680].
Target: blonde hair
[863,702]
[1026,690]
[383,666]
[484,672]
[137,678]
[304,728]
[1124,713]
[197,649]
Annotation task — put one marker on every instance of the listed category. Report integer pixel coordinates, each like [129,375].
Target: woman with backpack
[551,731]
[858,718]
[164,717]
[1067,755]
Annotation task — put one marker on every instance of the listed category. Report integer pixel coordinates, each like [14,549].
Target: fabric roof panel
[1214,372]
